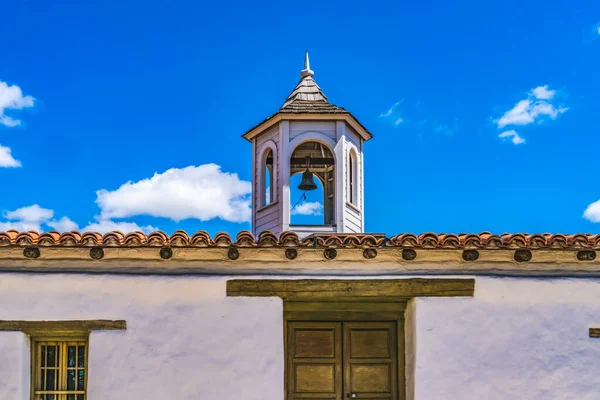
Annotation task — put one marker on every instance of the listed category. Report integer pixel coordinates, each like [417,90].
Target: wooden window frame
[348,310]
[63,341]
[59,331]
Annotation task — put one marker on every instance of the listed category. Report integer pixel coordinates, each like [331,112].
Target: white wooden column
[340,173]
[254,190]
[285,152]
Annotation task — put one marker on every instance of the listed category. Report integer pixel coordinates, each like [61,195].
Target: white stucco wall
[517,338]
[184,338]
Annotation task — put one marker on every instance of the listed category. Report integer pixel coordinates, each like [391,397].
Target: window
[267,187]
[352,175]
[59,368]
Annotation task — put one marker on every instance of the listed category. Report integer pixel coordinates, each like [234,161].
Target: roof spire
[306,71]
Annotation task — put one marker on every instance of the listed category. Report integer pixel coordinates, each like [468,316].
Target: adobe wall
[524,338]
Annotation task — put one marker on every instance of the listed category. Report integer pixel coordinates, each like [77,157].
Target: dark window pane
[50,375]
[81,380]
[71,380]
[81,357]
[51,361]
[70,397]
[80,397]
[43,356]
[72,356]
[43,380]
[50,397]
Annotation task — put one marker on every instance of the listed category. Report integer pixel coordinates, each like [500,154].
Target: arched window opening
[352,178]
[312,185]
[267,187]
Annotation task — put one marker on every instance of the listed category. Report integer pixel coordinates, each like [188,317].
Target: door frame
[348,310]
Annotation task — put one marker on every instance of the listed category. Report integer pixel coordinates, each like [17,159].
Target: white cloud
[106,225]
[33,213]
[8,121]
[390,110]
[398,121]
[19,226]
[592,212]
[11,98]
[63,225]
[203,192]
[543,93]
[536,106]
[308,208]
[6,158]
[513,135]
[539,105]
[34,218]
[26,218]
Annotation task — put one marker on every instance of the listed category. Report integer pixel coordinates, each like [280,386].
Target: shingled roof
[308,98]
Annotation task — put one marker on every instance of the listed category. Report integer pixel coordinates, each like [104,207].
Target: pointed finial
[306,71]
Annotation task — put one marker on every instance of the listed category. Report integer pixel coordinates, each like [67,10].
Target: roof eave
[281,116]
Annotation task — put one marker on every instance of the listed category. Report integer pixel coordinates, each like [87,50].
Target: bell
[308,181]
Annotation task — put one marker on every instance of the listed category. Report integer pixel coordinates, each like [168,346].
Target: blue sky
[94,95]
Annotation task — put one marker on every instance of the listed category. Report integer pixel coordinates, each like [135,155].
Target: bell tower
[324,144]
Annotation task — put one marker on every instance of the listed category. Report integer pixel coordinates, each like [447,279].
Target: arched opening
[315,205]
[266,183]
[306,207]
[352,186]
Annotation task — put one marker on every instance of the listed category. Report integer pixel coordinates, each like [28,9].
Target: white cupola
[324,144]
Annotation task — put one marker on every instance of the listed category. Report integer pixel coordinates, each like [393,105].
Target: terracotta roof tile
[484,240]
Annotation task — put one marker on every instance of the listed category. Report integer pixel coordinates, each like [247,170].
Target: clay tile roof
[427,240]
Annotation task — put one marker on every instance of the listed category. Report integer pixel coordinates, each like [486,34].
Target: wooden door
[341,360]
[370,361]
[314,360]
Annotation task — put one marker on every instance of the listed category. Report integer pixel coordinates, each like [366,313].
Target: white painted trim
[311,136]
[268,145]
[352,206]
[353,122]
[362,185]
[254,186]
[284,141]
[355,187]
[340,131]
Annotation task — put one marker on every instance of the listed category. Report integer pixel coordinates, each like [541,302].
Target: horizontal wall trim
[309,261]
[334,289]
[595,332]
[59,326]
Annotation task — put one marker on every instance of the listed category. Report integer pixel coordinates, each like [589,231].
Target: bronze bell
[308,181]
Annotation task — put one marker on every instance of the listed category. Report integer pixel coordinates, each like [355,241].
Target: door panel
[370,360]
[336,360]
[314,360]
